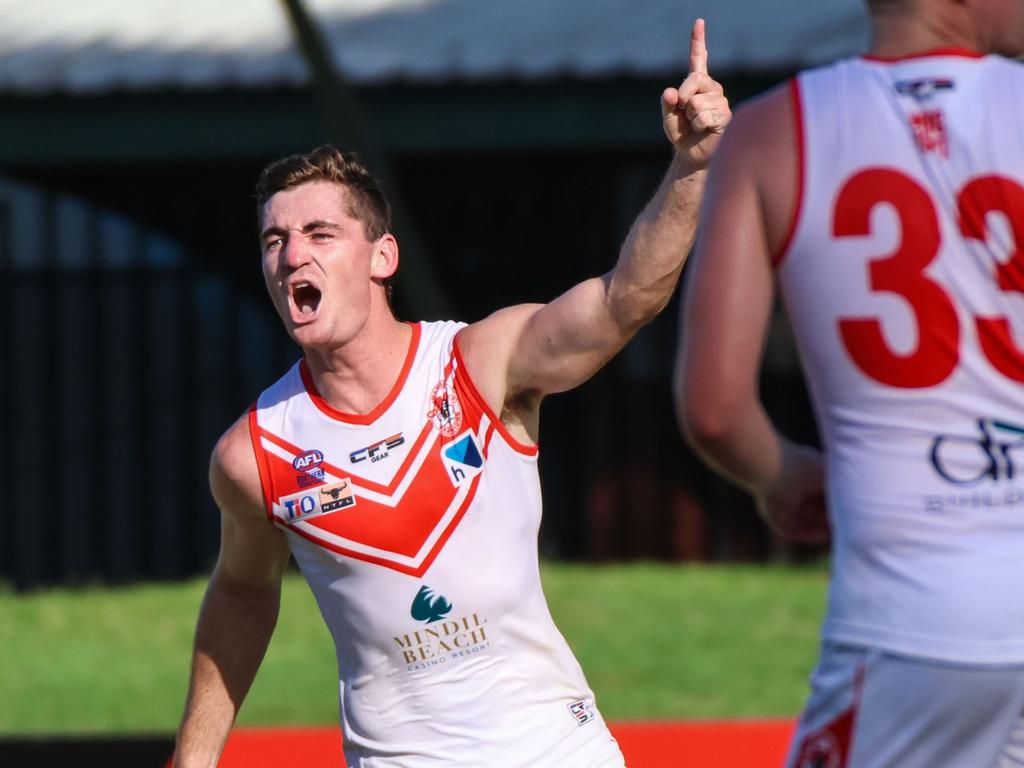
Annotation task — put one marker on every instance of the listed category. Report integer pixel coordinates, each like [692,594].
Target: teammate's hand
[695,114]
[795,506]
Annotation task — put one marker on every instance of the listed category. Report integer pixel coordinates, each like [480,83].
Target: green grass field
[655,641]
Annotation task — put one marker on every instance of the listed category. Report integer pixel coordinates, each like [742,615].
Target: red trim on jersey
[362,482]
[428,560]
[514,444]
[255,430]
[372,416]
[798,137]
[965,53]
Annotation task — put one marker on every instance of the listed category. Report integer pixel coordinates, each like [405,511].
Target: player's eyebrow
[306,229]
[320,224]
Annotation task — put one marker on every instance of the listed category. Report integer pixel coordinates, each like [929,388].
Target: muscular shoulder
[488,344]
[234,475]
[487,347]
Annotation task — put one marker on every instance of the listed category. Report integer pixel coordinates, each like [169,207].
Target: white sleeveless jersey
[904,279]
[416,526]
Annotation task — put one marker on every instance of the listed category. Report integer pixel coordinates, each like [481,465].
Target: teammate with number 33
[884,195]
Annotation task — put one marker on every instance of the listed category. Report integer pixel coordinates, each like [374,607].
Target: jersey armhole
[462,374]
[255,431]
[798,137]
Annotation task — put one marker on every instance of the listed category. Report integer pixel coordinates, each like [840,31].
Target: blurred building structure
[522,136]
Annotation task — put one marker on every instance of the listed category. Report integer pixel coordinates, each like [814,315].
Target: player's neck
[358,376]
[897,35]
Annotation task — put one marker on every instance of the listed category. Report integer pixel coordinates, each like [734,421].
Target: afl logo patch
[308,460]
[445,409]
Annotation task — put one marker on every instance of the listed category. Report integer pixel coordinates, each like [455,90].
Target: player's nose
[295,253]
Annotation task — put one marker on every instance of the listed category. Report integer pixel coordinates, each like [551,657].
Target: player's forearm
[234,629]
[740,443]
[652,257]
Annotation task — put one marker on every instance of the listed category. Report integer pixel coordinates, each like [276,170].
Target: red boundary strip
[699,744]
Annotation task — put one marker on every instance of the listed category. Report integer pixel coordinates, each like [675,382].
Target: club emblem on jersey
[445,409]
[318,501]
[463,459]
[426,607]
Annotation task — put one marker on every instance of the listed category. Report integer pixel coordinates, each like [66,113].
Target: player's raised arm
[522,353]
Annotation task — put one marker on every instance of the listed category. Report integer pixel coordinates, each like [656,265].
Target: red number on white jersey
[978,198]
[936,355]
[938,332]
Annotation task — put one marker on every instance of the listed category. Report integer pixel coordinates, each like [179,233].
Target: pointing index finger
[698,50]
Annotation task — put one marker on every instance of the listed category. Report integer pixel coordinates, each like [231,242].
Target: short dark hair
[327,163]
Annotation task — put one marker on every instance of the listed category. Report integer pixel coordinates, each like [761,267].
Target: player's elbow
[706,416]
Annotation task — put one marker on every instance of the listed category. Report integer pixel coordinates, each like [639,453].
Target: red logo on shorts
[821,751]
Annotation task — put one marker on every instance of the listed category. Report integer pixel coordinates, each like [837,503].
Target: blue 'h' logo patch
[465,452]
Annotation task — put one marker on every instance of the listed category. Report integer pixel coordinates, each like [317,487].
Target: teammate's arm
[240,609]
[751,194]
[522,353]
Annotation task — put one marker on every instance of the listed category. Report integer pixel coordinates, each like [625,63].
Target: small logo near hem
[581,711]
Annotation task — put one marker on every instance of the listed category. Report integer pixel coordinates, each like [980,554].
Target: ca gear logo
[378,451]
[426,607]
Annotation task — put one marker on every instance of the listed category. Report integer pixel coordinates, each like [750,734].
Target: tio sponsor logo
[319,501]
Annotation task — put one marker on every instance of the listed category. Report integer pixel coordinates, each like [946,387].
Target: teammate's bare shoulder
[759,156]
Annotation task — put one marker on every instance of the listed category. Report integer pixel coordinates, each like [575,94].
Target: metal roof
[105,45]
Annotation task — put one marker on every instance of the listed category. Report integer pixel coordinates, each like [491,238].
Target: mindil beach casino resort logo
[444,637]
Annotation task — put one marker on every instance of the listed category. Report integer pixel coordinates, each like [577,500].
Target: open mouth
[305,302]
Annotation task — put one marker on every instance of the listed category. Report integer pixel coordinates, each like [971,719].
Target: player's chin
[309,334]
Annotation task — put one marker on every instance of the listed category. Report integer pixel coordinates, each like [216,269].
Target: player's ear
[385,257]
